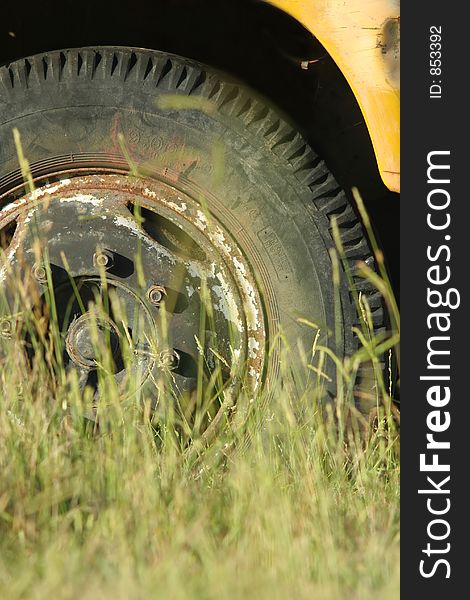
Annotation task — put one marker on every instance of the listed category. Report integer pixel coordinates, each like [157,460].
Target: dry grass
[292,500]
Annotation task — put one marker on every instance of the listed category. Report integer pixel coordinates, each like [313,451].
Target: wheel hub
[86,334]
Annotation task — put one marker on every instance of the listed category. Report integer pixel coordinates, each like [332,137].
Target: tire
[273,193]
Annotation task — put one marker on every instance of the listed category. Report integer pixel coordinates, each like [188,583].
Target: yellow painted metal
[362,37]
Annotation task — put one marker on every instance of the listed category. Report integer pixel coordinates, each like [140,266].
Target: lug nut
[170,359]
[155,294]
[40,273]
[102,259]
[6,328]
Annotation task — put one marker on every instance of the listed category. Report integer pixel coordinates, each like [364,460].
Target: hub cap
[80,343]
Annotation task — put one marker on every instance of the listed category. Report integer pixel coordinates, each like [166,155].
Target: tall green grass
[303,510]
[291,499]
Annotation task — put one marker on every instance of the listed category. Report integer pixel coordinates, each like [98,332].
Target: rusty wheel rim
[157,251]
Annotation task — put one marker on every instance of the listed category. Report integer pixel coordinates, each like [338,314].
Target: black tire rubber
[70,105]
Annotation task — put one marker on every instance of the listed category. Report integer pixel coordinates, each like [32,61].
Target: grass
[291,500]
[286,503]
[298,512]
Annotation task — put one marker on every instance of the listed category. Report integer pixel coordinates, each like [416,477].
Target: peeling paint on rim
[201,220]
[16,204]
[48,189]
[251,310]
[253,347]
[149,193]
[83,199]
[227,303]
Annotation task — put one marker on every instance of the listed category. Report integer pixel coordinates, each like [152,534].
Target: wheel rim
[140,247]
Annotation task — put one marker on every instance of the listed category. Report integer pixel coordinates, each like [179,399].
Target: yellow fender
[363,38]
